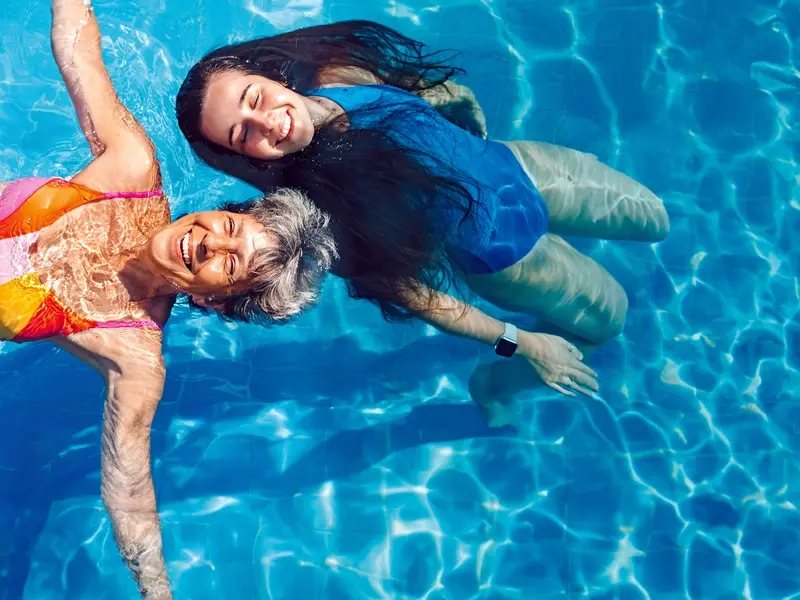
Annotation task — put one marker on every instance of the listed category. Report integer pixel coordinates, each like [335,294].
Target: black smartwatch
[506,344]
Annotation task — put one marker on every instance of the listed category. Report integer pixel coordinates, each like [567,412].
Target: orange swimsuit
[29,310]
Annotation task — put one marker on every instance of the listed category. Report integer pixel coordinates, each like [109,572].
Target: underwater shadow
[49,451]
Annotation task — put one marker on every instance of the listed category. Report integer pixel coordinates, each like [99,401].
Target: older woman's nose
[219,243]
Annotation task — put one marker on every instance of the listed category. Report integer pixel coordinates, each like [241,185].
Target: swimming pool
[339,457]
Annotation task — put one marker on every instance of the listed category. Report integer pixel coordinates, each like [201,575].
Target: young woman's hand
[558,363]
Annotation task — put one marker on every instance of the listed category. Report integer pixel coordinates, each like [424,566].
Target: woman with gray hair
[285,277]
[94,265]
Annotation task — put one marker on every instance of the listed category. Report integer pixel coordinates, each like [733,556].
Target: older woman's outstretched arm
[132,366]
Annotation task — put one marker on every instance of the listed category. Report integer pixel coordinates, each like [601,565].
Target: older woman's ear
[209,302]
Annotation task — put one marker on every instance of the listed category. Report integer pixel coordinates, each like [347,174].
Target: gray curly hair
[286,277]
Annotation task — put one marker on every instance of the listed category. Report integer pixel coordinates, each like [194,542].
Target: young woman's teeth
[185,251]
[287,125]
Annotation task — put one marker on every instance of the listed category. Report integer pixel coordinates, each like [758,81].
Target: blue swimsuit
[517,215]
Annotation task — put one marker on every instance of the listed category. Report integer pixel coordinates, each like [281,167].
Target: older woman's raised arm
[108,125]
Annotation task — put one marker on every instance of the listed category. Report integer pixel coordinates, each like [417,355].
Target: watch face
[505,347]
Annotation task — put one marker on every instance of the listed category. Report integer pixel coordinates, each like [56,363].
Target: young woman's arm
[111,130]
[553,357]
[133,369]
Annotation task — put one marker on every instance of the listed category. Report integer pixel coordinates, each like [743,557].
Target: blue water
[340,457]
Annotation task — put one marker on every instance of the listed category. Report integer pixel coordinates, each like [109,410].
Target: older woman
[94,265]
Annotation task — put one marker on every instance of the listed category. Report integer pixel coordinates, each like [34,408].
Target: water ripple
[340,457]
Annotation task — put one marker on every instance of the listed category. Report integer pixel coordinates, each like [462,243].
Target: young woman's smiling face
[255,116]
[207,253]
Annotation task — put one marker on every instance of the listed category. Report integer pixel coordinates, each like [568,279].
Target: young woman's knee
[657,226]
[607,320]
[616,323]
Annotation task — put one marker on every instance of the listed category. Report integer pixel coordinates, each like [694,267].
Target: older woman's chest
[83,258]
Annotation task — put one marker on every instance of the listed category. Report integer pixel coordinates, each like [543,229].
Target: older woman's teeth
[185,251]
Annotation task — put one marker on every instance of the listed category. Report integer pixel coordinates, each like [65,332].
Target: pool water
[340,457]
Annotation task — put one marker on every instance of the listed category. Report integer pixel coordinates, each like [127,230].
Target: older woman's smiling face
[207,253]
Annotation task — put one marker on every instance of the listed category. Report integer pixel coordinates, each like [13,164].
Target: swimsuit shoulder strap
[148,194]
[143,324]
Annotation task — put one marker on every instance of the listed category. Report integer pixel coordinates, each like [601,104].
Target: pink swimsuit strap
[127,324]
[150,194]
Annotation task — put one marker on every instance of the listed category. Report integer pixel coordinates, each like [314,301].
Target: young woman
[94,265]
[417,201]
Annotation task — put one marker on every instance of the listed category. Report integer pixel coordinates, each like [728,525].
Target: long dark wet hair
[381,195]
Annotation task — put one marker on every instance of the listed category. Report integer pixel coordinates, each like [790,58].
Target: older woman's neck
[143,282]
